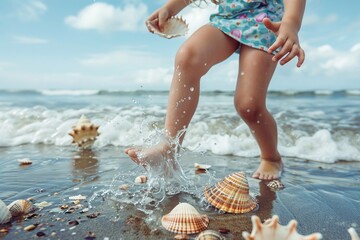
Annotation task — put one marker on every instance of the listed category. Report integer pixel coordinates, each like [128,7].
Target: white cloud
[29,40]
[154,76]
[197,16]
[126,57]
[31,10]
[104,17]
[316,19]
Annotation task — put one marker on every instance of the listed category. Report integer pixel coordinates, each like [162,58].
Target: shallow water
[321,197]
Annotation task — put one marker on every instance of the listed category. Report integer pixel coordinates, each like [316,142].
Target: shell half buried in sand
[20,207]
[184,218]
[174,27]
[84,133]
[5,215]
[231,194]
[272,230]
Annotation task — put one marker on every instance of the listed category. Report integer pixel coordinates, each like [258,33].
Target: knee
[249,110]
[190,58]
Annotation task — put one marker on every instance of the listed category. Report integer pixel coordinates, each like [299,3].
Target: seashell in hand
[20,207]
[272,230]
[353,234]
[5,214]
[84,133]
[184,218]
[209,235]
[231,194]
[173,27]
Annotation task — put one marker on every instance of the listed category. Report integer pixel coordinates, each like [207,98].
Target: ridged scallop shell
[272,230]
[5,215]
[209,235]
[84,133]
[20,207]
[353,234]
[231,194]
[275,185]
[184,218]
[174,27]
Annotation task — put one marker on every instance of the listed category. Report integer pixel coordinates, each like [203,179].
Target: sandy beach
[321,197]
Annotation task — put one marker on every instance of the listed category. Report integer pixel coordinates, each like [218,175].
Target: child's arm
[287,32]
[171,8]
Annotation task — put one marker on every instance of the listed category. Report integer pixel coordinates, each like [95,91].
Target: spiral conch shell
[20,207]
[231,194]
[184,218]
[5,215]
[353,234]
[173,27]
[84,133]
[272,230]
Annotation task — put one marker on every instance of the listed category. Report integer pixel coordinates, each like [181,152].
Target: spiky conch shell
[20,207]
[173,27]
[5,215]
[184,218]
[84,133]
[209,235]
[231,194]
[353,234]
[272,230]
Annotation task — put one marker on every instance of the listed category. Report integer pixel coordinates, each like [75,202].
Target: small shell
[78,197]
[272,230]
[20,207]
[353,234]
[24,161]
[141,179]
[5,215]
[275,185]
[182,237]
[202,166]
[184,218]
[174,27]
[231,194]
[209,235]
[124,187]
[84,133]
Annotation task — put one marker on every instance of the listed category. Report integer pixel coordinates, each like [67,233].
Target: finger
[152,25]
[272,26]
[301,58]
[162,19]
[286,48]
[295,51]
[280,41]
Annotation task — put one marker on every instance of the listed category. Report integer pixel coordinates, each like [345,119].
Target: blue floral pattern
[242,20]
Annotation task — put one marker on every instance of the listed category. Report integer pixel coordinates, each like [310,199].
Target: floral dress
[242,20]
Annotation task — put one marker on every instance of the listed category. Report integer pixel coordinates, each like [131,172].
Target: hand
[287,40]
[157,19]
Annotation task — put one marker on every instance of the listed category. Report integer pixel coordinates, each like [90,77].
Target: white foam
[69,92]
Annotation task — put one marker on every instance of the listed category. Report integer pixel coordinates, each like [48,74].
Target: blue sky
[87,44]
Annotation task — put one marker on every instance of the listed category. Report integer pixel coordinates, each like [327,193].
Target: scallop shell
[353,234]
[209,235]
[20,207]
[275,185]
[202,166]
[272,230]
[231,194]
[5,214]
[184,218]
[84,133]
[174,27]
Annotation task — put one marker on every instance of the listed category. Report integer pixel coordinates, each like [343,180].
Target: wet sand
[321,197]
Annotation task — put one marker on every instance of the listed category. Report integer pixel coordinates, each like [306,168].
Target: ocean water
[320,126]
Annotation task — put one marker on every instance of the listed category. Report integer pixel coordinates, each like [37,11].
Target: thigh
[255,72]
[210,45]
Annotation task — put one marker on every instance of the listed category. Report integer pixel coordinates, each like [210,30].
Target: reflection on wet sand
[85,166]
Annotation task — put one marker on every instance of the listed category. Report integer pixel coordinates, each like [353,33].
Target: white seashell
[184,218]
[141,179]
[272,230]
[84,133]
[174,27]
[209,235]
[353,234]
[5,215]
[20,207]
[24,161]
[276,185]
[202,166]
[78,197]
[43,204]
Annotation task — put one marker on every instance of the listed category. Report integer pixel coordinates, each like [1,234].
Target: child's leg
[205,48]
[255,72]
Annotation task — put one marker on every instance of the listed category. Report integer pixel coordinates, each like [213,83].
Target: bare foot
[147,155]
[269,170]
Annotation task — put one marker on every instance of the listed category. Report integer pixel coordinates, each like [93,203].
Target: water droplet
[258,122]
[192,89]
[189,98]
[242,73]
[248,110]
[184,112]
[184,85]
[205,64]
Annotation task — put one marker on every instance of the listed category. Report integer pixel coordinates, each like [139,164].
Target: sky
[91,44]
